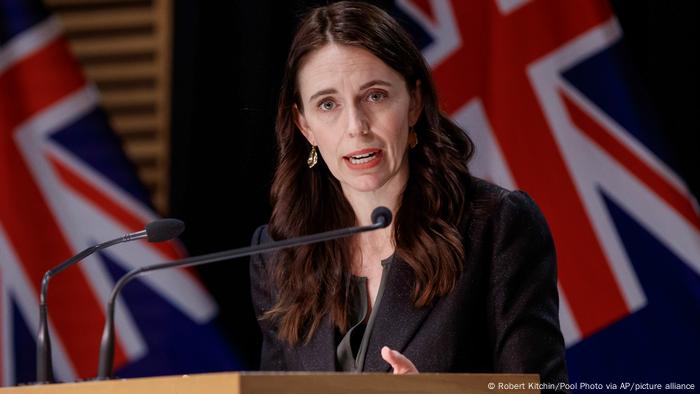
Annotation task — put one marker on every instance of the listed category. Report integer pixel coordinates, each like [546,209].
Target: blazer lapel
[319,353]
[397,319]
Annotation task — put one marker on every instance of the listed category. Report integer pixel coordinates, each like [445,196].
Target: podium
[297,382]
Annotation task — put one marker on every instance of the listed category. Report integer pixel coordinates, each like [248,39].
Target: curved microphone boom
[156,231]
[381,218]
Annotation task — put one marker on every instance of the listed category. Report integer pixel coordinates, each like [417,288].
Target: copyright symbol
[492,386]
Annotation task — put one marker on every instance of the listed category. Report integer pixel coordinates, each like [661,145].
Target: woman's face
[357,110]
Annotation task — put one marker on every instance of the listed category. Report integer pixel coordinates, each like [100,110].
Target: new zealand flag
[543,89]
[65,184]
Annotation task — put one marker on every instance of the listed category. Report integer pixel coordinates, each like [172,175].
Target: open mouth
[363,158]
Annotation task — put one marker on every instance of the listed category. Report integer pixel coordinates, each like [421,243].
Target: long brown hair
[314,281]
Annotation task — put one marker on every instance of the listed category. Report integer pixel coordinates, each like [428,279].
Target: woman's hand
[398,361]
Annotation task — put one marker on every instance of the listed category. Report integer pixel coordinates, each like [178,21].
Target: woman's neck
[379,242]
[363,203]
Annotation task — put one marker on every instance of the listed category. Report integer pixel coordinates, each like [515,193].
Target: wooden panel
[143,151]
[302,382]
[125,71]
[124,48]
[129,98]
[63,3]
[134,124]
[386,383]
[163,25]
[94,20]
[110,46]
[149,175]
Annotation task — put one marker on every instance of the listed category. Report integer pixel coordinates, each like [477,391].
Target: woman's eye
[376,97]
[326,105]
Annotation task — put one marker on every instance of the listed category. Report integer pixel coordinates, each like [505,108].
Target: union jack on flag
[65,185]
[542,87]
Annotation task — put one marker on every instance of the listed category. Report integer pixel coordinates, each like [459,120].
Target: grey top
[352,348]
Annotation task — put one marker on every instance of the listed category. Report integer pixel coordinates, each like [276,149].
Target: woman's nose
[358,123]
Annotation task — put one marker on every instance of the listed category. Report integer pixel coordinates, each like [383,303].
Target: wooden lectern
[297,382]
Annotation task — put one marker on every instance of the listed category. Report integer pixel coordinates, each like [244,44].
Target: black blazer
[502,316]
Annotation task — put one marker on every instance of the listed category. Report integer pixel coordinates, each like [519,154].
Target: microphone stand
[156,231]
[44,367]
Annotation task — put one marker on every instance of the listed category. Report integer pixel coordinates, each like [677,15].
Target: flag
[65,185]
[545,91]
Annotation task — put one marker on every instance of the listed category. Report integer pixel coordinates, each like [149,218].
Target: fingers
[400,363]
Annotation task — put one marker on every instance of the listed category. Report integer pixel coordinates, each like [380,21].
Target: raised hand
[400,363]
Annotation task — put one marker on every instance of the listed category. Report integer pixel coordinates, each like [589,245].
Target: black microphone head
[164,229]
[381,215]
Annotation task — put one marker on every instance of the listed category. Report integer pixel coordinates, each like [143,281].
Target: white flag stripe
[444,30]
[100,183]
[488,162]
[578,156]
[175,284]
[650,209]
[652,212]
[62,114]
[29,41]
[598,39]
[8,366]
[509,6]
[101,283]
[569,328]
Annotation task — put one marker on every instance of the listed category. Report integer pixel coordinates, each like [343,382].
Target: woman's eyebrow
[364,86]
[375,82]
[322,92]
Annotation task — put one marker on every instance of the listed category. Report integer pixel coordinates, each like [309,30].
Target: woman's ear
[416,106]
[300,121]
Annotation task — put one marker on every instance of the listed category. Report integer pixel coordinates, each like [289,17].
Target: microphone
[156,231]
[381,218]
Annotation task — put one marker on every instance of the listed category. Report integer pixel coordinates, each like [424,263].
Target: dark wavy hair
[314,281]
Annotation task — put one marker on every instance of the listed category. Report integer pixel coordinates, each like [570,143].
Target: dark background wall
[227,66]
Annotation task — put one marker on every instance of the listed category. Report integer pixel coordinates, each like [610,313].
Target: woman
[464,280]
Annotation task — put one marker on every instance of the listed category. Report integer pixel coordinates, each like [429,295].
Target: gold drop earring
[313,157]
[412,138]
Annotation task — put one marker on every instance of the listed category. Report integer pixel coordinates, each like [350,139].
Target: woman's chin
[363,184]
[372,183]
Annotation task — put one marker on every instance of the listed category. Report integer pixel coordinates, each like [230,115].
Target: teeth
[360,159]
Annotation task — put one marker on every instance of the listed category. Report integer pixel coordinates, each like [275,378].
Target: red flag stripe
[5,314]
[492,65]
[25,90]
[128,219]
[640,169]
[171,249]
